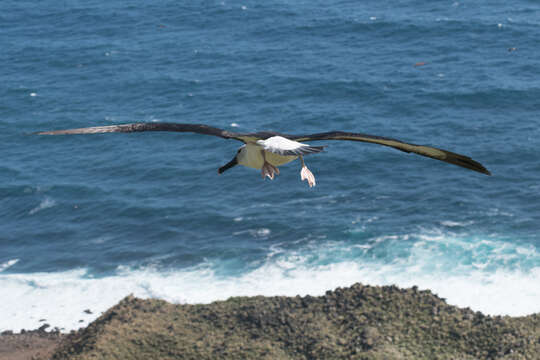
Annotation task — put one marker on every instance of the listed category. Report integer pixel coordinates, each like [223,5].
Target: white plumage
[284,146]
[280,144]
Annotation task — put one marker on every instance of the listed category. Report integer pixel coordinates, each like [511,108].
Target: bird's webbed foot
[305,174]
[269,170]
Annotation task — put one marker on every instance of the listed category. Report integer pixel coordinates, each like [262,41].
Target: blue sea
[88,219]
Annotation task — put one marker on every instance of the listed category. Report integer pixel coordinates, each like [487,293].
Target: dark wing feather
[137,127]
[434,153]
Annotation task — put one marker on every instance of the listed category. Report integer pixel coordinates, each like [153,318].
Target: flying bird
[266,150]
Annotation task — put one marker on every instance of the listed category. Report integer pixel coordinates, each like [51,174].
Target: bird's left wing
[138,127]
[434,153]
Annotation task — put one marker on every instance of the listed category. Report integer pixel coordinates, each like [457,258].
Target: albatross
[266,150]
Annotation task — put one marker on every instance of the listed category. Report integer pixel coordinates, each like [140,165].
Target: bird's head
[240,153]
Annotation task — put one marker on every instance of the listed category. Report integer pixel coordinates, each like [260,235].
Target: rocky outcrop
[360,322]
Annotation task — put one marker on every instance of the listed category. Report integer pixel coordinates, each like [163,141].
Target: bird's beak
[228,165]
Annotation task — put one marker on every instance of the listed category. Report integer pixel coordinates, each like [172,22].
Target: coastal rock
[370,337]
[30,344]
[359,322]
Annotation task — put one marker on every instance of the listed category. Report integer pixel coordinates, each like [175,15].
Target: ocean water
[87,220]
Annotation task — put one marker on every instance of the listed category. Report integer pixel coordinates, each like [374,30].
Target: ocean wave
[8,264]
[258,233]
[450,223]
[44,204]
[442,263]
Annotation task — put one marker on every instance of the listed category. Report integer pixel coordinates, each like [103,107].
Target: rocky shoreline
[359,322]
[26,345]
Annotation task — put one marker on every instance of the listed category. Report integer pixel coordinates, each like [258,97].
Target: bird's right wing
[138,127]
[424,150]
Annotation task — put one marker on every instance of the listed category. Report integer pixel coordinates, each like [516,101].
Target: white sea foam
[8,264]
[62,297]
[45,204]
[263,232]
[100,239]
[450,223]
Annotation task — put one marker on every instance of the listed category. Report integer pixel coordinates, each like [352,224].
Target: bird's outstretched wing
[439,154]
[434,153]
[137,127]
